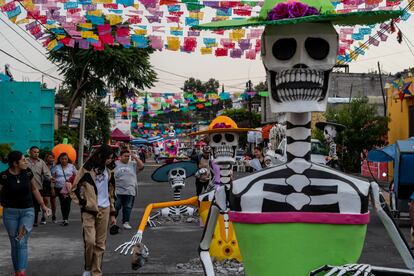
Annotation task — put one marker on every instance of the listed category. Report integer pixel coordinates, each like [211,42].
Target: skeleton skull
[329,133]
[298,60]
[176,177]
[224,147]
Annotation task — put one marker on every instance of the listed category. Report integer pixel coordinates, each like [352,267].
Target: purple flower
[297,9]
[280,11]
[292,9]
[312,11]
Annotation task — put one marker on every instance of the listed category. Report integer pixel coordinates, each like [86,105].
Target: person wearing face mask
[94,191]
[18,191]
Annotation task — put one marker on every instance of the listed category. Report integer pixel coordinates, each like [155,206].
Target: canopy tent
[119,135]
[139,141]
[155,139]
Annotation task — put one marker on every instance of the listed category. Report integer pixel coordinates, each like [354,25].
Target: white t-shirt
[101,183]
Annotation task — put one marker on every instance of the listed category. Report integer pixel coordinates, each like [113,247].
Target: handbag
[68,184]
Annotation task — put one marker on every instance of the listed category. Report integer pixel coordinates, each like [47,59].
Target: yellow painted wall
[399,117]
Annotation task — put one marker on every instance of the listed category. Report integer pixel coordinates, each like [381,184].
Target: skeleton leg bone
[206,239]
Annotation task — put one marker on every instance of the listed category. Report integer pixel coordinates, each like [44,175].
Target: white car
[318,151]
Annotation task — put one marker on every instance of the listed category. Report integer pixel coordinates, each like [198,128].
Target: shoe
[65,223]
[126,225]
[35,225]
[43,221]
[86,273]
[54,219]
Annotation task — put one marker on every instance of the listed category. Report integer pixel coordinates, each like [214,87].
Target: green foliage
[66,132]
[193,85]
[63,97]
[364,130]
[241,117]
[97,123]
[88,72]
[5,149]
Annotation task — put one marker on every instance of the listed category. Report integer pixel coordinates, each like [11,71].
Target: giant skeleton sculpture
[300,217]
[175,174]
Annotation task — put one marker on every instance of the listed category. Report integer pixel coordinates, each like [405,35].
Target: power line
[11,44]
[43,54]
[28,65]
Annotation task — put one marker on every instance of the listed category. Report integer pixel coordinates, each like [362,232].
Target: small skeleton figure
[175,174]
[330,131]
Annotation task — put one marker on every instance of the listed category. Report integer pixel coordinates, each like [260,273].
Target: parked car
[318,151]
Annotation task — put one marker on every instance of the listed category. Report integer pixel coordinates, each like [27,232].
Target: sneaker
[35,225]
[54,219]
[43,221]
[126,225]
[65,223]
[86,273]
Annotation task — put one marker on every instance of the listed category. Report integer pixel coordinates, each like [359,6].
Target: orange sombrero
[222,124]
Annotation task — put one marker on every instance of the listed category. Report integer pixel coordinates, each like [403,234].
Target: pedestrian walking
[48,191]
[156,154]
[64,174]
[18,191]
[40,172]
[94,191]
[126,184]
[205,165]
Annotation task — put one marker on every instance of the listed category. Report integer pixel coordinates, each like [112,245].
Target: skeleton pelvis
[220,247]
[295,249]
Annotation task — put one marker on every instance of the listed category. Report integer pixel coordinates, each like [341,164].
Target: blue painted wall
[26,115]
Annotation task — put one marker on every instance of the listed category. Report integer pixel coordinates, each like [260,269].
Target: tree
[97,123]
[241,117]
[66,132]
[364,130]
[89,72]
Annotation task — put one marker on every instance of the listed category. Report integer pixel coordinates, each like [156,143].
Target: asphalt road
[56,250]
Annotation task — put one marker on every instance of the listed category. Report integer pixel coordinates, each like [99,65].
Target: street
[57,250]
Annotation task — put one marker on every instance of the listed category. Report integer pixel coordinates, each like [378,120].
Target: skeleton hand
[127,246]
[152,223]
[348,269]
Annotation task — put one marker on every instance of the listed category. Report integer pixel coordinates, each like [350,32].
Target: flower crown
[291,9]
[221,125]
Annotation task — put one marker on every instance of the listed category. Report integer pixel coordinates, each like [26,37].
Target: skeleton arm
[395,234]
[137,238]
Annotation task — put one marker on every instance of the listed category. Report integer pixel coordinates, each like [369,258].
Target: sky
[174,68]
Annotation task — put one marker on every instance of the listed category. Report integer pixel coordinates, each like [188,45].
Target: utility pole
[81,132]
[249,89]
[382,90]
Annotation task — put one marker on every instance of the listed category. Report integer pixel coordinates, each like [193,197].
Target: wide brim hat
[222,124]
[161,174]
[321,125]
[307,11]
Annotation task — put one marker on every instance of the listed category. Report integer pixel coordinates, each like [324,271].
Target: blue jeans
[125,202]
[18,223]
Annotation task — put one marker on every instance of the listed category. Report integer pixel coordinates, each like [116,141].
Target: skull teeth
[224,151]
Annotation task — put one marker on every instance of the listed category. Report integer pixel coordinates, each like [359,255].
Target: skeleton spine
[177,195]
[298,136]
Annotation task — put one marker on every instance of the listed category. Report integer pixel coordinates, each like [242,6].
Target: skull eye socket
[229,137]
[181,172]
[217,138]
[174,173]
[317,48]
[284,49]
[326,131]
